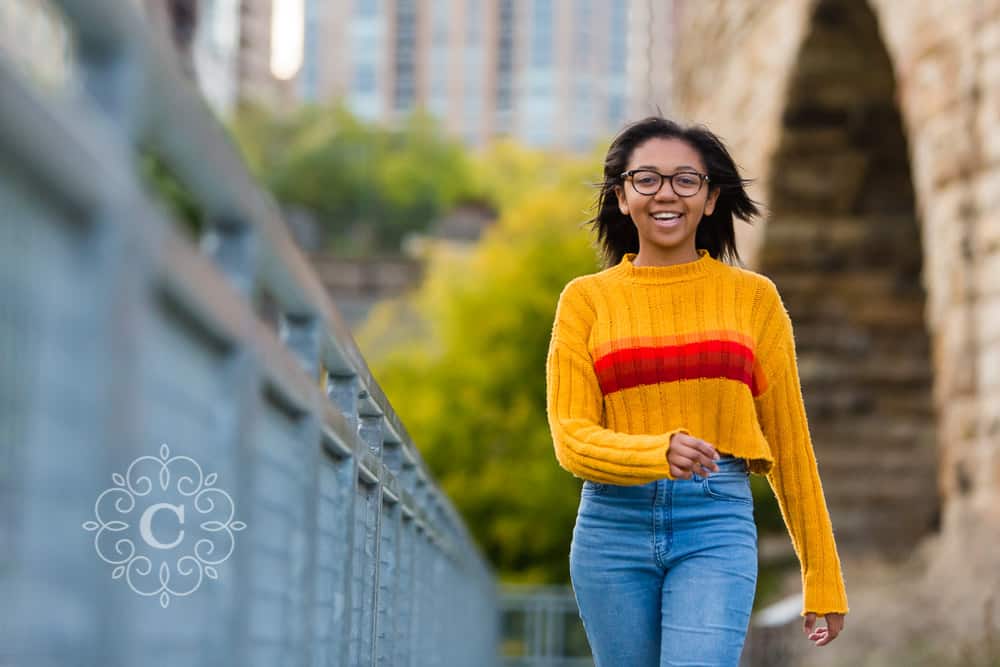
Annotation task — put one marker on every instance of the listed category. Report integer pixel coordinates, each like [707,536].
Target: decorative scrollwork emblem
[151,533]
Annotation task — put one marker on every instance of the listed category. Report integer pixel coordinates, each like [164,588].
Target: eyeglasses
[649,182]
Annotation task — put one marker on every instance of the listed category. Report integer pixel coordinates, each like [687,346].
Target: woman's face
[665,221]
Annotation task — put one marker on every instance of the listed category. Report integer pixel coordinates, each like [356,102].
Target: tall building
[569,71]
[216,53]
[650,56]
[256,83]
[34,40]
[550,73]
[205,35]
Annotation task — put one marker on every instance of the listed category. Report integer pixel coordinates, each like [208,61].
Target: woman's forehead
[665,154]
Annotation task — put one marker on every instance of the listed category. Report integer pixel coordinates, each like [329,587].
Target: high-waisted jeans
[665,573]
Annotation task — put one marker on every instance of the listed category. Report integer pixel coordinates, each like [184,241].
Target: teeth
[666,216]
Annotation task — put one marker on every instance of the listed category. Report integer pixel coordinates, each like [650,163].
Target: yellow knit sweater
[640,353]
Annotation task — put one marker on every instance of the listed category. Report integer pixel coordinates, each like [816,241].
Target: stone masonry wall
[805,111]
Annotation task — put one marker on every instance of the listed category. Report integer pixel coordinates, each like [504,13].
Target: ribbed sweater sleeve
[575,407]
[795,474]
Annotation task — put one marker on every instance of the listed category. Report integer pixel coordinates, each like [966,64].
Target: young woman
[671,377]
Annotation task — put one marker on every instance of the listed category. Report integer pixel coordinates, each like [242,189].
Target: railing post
[230,245]
[342,390]
[420,611]
[233,248]
[301,333]
[371,432]
[112,79]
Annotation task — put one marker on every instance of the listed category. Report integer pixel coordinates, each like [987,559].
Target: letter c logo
[145,528]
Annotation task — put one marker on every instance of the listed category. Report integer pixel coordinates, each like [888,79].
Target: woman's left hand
[823,636]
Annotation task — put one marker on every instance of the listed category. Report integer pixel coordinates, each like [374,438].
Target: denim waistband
[727,464]
[730,463]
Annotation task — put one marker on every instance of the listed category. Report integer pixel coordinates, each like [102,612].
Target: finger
[680,450]
[681,459]
[826,639]
[836,623]
[684,439]
[700,467]
[706,449]
[695,462]
[823,636]
[678,472]
[698,454]
[707,455]
[808,623]
[694,446]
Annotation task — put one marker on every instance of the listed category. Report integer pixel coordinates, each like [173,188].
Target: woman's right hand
[687,454]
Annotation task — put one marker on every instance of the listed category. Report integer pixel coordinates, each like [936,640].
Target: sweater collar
[664,275]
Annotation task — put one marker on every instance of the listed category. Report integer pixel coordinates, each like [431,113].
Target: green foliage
[168,189]
[472,389]
[505,173]
[369,186]
[765,506]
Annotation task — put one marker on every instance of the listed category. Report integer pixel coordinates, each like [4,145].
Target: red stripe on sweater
[636,366]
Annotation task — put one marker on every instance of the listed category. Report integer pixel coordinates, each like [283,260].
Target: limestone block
[988,110]
[988,320]
[987,202]
[944,150]
[989,366]
[954,365]
[988,278]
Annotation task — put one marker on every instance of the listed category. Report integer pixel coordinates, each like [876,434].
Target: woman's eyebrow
[677,168]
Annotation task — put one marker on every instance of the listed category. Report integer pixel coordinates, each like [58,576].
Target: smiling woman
[671,378]
[288,31]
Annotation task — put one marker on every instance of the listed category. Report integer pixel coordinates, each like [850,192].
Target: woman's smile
[668,220]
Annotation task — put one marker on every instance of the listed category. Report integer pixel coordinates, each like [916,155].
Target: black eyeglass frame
[702,178]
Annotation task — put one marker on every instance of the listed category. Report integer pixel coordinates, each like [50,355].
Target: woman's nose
[666,192]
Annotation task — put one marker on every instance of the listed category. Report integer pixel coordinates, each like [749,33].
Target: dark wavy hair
[615,232]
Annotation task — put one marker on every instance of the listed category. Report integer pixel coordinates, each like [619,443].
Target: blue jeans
[665,573]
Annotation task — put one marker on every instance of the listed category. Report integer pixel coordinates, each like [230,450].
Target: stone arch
[843,246]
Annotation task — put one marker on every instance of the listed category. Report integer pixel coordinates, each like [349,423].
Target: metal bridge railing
[179,483]
[541,627]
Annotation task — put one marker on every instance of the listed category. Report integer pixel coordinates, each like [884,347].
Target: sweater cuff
[831,600]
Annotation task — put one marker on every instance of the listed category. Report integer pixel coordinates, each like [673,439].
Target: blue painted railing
[294,523]
[541,627]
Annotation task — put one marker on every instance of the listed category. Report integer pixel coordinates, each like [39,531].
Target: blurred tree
[361,181]
[506,172]
[479,414]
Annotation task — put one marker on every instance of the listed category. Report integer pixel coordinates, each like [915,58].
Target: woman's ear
[622,202]
[713,197]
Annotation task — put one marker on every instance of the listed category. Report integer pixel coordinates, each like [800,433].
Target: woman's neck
[646,257]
